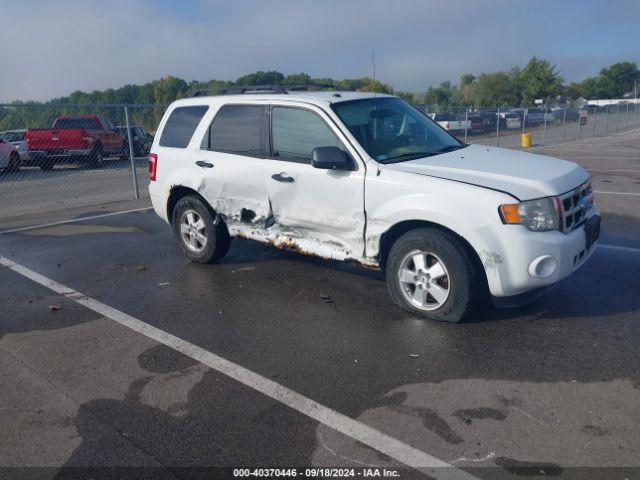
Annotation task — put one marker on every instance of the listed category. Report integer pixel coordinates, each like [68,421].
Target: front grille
[575,206]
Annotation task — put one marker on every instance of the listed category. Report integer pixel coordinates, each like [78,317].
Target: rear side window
[297,132]
[180,126]
[238,129]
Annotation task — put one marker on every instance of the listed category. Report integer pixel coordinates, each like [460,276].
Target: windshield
[12,136]
[391,130]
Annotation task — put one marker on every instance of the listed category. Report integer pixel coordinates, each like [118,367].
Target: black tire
[217,236]
[465,281]
[96,157]
[47,164]
[14,163]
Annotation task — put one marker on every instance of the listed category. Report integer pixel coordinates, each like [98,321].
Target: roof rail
[248,89]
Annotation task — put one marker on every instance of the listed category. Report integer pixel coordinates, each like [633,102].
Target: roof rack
[248,89]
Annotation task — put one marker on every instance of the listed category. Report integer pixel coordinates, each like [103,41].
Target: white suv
[368,178]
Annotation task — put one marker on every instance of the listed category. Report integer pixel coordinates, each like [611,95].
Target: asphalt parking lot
[117,352]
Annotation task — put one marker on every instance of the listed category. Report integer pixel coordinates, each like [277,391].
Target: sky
[51,48]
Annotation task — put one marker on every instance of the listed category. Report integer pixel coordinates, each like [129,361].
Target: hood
[523,175]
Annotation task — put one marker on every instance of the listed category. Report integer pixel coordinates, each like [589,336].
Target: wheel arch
[388,238]
[180,191]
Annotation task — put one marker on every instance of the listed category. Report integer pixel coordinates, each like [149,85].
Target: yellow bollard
[526,140]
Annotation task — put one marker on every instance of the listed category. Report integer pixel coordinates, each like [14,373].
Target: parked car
[450,121]
[18,140]
[572,114]
[85,139]
[479,123]
[511,120]
[450,224]
[9,157]
[142,140]
[533,116]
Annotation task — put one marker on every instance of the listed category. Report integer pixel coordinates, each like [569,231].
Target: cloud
[53,48]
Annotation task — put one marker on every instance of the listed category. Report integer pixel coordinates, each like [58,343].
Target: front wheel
[200,237]
[14,163]
[432,274]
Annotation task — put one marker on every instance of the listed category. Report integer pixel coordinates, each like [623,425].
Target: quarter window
[180,126]
[296,132]
[237,129]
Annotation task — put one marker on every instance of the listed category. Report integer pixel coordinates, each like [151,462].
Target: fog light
[543,266]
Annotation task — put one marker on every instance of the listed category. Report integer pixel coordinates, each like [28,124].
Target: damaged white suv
[368,178]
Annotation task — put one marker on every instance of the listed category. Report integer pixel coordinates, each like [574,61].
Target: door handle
[203,164]
[282,177]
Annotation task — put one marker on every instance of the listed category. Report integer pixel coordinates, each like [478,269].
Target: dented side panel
[234,187]
[320,212]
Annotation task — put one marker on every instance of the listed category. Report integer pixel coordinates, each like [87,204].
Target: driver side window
[296,132]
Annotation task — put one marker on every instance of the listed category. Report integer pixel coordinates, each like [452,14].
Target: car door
[230,164]
[314,210]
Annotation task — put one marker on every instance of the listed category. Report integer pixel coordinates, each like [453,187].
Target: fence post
[466,122]
[606,115]
[595,118]
[524,119]
[626,117]
[564,124]
[617,115]
[131,153]
[498,127]
[635,113]
[544,130]
[580,124]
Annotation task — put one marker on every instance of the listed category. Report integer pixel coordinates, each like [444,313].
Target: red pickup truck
[83,139]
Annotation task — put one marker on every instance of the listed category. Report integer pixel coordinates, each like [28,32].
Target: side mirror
[330,158]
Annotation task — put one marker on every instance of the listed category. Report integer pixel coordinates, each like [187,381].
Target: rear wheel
[96,157]
[200,238]
[432,274]
[14,163]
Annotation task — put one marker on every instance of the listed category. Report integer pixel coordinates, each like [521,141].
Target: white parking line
[611,170]
[617,193]
[81,219]
[361,432]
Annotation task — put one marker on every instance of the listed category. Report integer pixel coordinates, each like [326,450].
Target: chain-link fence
[504,126]
[57,157]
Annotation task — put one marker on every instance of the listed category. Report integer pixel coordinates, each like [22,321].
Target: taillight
[153,166]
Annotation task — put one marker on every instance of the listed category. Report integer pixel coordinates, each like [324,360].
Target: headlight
[538,215]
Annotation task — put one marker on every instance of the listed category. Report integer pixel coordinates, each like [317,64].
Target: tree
[167,89]
[371,85]
[617,79]
[492,90]
[297,79]
[466,79]
[262,78]
[443,95]
[409,97]
[539,80]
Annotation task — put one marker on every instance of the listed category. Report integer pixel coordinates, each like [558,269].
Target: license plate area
[592,231]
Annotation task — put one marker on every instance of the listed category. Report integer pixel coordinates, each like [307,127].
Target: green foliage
[539,80]
[493,89]
[262,78]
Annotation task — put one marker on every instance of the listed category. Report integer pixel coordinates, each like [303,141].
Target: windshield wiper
[450,148]
[406,157]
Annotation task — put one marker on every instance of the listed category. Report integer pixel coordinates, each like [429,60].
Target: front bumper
[511,254]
